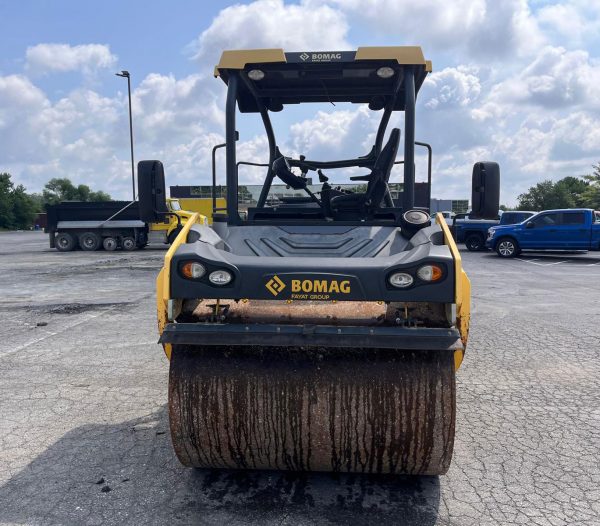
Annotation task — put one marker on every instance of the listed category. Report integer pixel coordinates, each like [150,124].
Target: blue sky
[513,81]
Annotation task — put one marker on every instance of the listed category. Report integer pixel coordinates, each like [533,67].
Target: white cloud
[451,87]
[87,58]
[483,29]
[556,78]
[334,134]
[169,110]
[510,84]
[272,23]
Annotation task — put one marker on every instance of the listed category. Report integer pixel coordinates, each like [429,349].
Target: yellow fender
[462,294]
[163,280]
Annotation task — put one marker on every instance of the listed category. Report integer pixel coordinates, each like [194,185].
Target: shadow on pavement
[127,473]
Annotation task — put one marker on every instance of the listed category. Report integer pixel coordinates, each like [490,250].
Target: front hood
[504,228]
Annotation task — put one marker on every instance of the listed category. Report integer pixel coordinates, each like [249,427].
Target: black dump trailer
[93,225]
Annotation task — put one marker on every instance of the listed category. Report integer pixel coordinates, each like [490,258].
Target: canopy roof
[335,76]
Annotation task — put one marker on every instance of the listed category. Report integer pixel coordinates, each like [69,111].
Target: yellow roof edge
[402,54]
[237,59]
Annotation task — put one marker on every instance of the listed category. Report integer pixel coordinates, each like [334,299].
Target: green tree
[17,208]
[62,189]
[591,196]
[99,196]
[575,187]
[566,193]
[6,211]
[24,208]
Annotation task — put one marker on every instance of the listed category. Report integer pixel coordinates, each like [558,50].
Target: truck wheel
[65,242]
[474,243]
[507,247]
[128,243]
[110,244]
[89,241]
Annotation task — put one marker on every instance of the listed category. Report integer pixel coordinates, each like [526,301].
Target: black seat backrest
[382,169]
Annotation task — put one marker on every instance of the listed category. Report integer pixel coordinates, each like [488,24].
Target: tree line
[19,208]
[570,192]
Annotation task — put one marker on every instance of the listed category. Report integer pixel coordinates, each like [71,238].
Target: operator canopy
[265,80]
[371,75]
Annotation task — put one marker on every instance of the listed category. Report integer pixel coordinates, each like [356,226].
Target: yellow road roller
[318,331]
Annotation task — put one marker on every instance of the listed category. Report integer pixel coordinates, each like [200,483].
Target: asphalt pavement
[84,429]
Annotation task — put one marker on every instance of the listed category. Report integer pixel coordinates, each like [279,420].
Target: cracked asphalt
[84,433]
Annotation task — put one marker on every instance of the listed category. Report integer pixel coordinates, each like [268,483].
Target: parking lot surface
[84,431]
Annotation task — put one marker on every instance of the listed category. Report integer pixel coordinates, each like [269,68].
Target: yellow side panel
[201,205]
[155,227]
[163,279]
[462,290]
[161,307]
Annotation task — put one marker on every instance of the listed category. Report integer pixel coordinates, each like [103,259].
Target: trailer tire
[110,244]
[507,247]
[128,243]
[89,241]
[475,242]
[65,242]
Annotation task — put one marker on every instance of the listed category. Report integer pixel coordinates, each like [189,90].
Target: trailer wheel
[64,242]
[128,243]
[110,244]
[89,241]
[474,242]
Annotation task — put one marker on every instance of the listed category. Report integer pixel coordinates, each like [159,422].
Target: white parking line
[533,262]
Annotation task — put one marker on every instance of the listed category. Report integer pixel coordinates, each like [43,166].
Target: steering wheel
[282,169]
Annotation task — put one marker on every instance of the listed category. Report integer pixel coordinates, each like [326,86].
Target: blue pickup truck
[473,232]
[570,229]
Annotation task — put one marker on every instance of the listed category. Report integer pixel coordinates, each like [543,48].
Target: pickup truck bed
[473,232]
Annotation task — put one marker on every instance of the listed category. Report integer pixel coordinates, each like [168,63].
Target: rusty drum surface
[350,410]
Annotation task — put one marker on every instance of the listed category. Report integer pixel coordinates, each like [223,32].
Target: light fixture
[385,72]
[193,270]
[416,217]
[256,74]
[401,280]
[430,273]
[220,277]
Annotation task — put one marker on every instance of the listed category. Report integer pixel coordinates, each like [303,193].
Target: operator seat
[378,180]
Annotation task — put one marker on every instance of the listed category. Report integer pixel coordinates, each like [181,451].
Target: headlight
[256,74]
[193,270]
[430,273]
[385,72]
[220,277]
[401,280]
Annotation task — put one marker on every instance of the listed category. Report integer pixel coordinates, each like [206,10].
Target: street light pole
[125,74]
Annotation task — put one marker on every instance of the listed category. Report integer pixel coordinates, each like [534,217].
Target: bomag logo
[275,285]
[321,286]
[321,57]
[309,289]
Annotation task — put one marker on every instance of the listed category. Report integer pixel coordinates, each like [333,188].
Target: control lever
[322,177]
[303,170]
